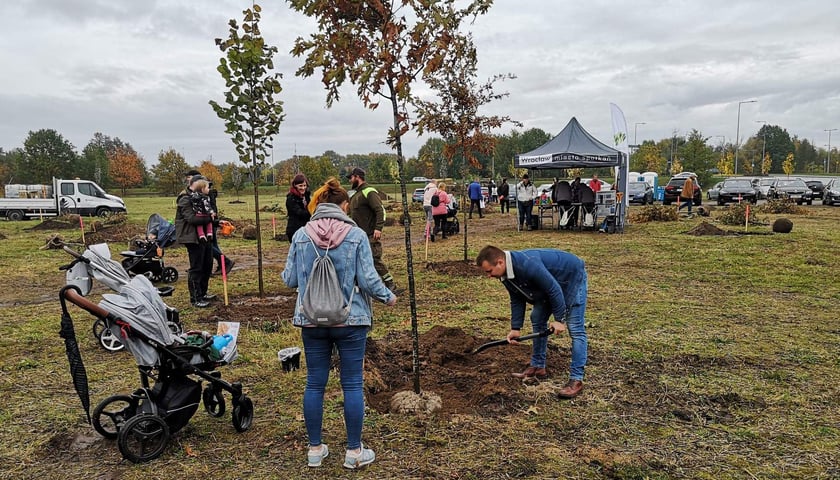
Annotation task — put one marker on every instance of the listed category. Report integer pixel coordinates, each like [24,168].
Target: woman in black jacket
[297,201]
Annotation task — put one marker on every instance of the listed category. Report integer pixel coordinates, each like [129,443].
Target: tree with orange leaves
[126,168]
[211,172]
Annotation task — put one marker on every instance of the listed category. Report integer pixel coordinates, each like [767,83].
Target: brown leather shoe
[530,372]
[571,390]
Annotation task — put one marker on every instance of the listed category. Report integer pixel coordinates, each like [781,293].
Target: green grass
[710,357]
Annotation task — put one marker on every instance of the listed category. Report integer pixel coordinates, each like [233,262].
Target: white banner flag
[619,126]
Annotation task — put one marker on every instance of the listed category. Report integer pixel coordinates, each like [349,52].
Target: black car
[674,188]
[640,192]
[792,188]
[737,190]
[816,187]
[831,192]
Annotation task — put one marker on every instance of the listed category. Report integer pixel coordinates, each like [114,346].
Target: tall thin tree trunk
[415,335]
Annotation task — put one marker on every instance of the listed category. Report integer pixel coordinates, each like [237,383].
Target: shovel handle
[530,336]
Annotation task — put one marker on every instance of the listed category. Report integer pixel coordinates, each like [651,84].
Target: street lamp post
[635,131]
[828,155]
[738,132]
[764,140]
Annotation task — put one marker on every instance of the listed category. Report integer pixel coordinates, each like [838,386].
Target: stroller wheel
[111,414]
[98,328]
[243,414]
[214,402]
[143,438]
[169,275]
[109,341]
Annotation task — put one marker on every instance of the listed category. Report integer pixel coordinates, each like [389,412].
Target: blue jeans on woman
[318,345]
[574,323]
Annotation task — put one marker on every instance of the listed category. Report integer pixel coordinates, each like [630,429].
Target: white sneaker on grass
[316,458]
[355,460]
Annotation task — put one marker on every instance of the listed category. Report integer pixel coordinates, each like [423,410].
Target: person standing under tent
[526,192]
[594,183]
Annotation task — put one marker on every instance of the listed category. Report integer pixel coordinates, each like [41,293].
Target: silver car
[712,193]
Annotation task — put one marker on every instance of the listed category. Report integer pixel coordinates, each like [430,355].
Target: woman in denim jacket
[347,246]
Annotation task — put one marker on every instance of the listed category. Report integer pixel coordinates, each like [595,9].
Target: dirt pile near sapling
[707,228]
[465,382]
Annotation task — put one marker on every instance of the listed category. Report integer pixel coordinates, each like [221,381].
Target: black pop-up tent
[574,147]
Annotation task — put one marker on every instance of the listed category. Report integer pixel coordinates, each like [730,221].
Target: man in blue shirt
[475,197]
[554,282]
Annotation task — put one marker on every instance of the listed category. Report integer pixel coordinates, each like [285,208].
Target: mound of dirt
[60,223]
[466,382]
[707,228]
[456,267]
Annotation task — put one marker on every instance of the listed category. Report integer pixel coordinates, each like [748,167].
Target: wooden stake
[224,278]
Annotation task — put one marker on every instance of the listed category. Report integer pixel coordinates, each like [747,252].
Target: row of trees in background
[114,164]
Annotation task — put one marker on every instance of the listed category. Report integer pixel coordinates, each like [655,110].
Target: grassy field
[710,357]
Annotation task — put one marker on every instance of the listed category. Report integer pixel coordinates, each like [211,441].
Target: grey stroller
[143,421]
[95,263]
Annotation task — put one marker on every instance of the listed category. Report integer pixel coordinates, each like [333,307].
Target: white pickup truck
[63,196]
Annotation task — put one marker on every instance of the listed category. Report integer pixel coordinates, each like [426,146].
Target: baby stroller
[143,421]
[95,262]
[146,258]
[450,223]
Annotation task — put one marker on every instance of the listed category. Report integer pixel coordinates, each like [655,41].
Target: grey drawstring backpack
[323,302]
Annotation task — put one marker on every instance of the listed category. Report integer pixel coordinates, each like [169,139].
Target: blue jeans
[687,202]
[524,209]
[576,326]
[318,344]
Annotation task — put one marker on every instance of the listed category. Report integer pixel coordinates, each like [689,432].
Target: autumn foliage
[125,168]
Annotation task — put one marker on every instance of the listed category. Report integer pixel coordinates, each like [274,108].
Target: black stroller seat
[146,254]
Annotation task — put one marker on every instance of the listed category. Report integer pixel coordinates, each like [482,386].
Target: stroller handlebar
[75,254]
[76,298]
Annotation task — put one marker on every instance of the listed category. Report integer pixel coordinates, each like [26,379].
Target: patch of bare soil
[455,267]
[466,382]
[267,314]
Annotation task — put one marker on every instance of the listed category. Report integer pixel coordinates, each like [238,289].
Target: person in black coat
[297,203]
[503,192]
[214,246]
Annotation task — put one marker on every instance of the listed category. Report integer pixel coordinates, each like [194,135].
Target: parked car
[640,192]
[417,196]
[763,185]
[712,193]
[816,187]
[674,188]
[737,190]
[792,188]
[831,192]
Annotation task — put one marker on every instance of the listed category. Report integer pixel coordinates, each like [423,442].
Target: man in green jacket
[367,211]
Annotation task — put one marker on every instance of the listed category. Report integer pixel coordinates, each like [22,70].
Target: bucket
[290,358]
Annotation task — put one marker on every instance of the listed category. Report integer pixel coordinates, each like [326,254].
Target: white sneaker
[316,458]
[354,460]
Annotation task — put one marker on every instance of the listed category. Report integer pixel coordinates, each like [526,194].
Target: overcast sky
[144,71]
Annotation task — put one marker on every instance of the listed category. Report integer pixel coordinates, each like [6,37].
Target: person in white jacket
[526,192]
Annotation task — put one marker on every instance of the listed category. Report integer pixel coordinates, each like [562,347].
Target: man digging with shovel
[555,282]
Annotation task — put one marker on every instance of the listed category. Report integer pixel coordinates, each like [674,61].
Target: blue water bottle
[221,341]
